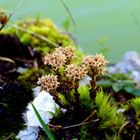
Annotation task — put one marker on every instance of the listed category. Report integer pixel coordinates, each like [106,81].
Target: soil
[13,93]
[14,54]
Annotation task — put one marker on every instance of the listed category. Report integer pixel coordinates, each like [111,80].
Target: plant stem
[122,127]
[76,94]
[36,35]
[93,87]
[92,114]
[76,125]
[57,99]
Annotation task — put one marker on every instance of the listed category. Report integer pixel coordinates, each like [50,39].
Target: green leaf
[133,91]
[104,83]
[136,92]
[117,87]
[45,127]
[66,24]
[84,92]
[129,83]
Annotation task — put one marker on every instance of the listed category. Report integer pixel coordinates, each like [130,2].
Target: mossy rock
[41,34]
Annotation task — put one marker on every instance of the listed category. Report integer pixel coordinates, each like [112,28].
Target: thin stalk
[69,13]
[80,124]
[36,35]
[122,127]
[76,94]
[92,114]
[93,87]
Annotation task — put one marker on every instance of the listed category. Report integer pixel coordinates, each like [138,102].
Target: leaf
[104,83]
[45,127]
[122,85]
[66,24]
[69,13]
[84,92]
[117,87]
[136,92]
[133,91]
[129,83]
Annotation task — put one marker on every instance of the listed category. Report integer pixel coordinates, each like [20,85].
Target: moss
[42,36]
[135,103]
[31,75]
[108,114]
[112,137]
[35,29]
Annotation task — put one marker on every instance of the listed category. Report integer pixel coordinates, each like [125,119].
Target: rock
[30,133]
[130,64]
[46,107]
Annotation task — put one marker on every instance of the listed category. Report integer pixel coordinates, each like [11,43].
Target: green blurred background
[101,25]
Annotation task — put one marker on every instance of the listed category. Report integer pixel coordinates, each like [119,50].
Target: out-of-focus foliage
[119,82]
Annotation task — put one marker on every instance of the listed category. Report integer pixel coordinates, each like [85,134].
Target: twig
[122,127]
[76,125]
[24,60]
[18,6]
[133,137]
[7,18]
[54,126]
[36,35]
[92,114]
[7,59]
[8,137]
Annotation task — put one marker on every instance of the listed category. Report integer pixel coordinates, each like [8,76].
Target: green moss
[108,114]
[41,34]
[31,75]
[112,137]
[135,103]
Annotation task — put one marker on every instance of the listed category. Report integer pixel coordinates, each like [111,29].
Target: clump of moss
[31,75]
[14,98]
[131,129]
[111,119]
[104,120]
[41,34]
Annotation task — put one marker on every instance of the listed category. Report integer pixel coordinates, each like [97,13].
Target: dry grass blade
[69,13]
[80,124]
[18,6]
[7,59]
[92,114]
[36,35]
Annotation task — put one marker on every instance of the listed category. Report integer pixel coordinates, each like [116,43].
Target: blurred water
[116,23]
